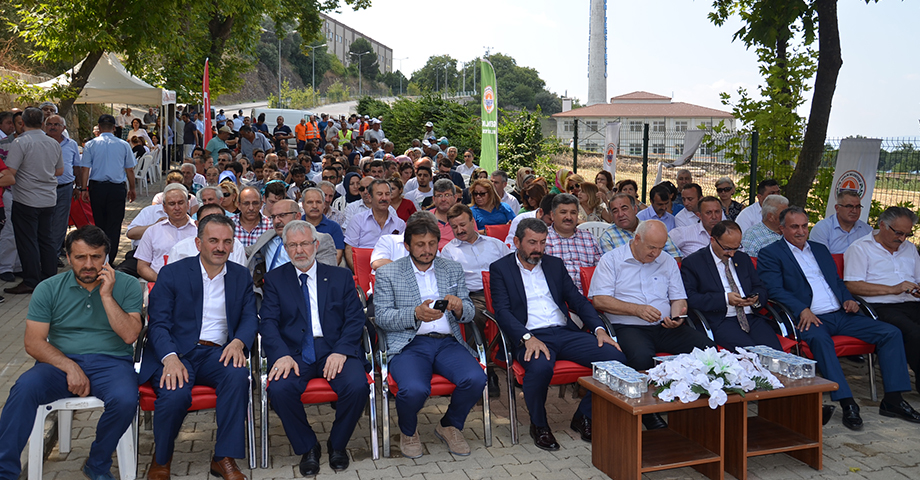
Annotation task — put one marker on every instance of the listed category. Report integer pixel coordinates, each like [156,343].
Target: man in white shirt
[186,247]
[660,204]
[884,269]
[500,181]
[690,195]
[159,238]
[531,297]
[366,227]
[424,188]
[838,231]
[750,216]
[545,213]
[641,293]
[474,252]
[695,236]
[361,205]
[802,276]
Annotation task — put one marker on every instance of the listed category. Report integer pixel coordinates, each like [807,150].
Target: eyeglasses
[727,249]
[851,207]
[899,233]
[446,195]
[301,245]
[480,194]
[724,189]
[282,215]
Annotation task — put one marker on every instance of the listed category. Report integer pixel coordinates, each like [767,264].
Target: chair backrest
[487,290]
[838,259]
[586,273]
[142,163]
[754,261]
[498,231]
[596,228]
[362,261]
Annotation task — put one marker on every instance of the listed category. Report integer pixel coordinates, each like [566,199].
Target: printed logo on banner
[488,99]
[610,154]
[852,180]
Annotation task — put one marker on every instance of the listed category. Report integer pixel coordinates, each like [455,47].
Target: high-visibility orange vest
[312,130]
[300,132]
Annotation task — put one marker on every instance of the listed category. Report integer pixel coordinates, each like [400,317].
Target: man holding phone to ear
[80,329]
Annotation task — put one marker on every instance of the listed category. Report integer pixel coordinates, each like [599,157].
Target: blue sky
[661,46]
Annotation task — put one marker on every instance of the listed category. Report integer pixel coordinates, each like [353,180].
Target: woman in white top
[467,168]
[137,131]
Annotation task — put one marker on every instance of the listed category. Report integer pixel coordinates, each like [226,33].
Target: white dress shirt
[731,311]
[542,311]
[314,303]
[621,276]
[512,202]
[187,248]
[690,238]
[685,217]
[823,299]
[364,231]
[214,307]
[428,290]
[146,217]
[159,239]
[750,216]
[390,247]
[868,261]
[475,257]
[509,240]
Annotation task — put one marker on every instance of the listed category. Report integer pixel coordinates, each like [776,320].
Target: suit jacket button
[302,330]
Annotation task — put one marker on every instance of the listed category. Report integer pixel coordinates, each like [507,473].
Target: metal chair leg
[872,390]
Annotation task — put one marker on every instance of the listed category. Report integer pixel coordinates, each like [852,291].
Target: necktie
[309,354]
[272,265]
[742,317]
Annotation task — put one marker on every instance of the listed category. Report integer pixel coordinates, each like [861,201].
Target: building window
[705,150]
[680,125]
[635,149]
[591,125]
[658,126]
[590,146]
[567,126]
[678,148]
[658,148]
[635,126]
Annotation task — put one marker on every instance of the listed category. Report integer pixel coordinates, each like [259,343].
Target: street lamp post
[359,69]
[313,68]
[400,72]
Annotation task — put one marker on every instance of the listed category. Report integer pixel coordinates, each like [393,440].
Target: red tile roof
[640,96]
[644,110]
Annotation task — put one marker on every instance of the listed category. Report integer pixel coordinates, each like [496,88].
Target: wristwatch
[526,336]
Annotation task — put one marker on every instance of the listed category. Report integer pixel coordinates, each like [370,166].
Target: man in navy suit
[532,294]
[202,321]
[721,283]
[802,275]
[311,324]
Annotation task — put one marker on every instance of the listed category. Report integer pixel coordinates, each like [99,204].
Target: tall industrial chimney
[597,53]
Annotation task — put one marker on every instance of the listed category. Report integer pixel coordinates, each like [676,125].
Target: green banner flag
[488,158]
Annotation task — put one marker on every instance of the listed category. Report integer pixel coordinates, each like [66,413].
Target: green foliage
[434,77]
[816,205]
[414,89]
[406,117]
[338,92]
[335,65]
[296,98]
[372,107]
[521,143]
[369,66]
[394,80]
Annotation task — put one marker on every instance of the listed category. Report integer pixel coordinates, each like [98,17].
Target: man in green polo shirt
[80,329]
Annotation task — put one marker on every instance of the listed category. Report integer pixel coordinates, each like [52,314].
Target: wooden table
[712,441]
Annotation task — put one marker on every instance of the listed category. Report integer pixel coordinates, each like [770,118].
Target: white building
[667,121]
[340,36]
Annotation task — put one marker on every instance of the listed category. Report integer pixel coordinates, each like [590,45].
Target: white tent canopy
[109,82]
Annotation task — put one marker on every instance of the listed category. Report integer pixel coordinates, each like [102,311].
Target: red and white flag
[206,96]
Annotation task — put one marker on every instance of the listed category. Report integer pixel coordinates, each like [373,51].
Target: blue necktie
[309,353]
[271,265]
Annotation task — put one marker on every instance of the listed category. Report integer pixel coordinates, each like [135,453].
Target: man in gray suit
[420,301]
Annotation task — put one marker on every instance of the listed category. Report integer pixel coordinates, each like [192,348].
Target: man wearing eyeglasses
[721,282]
[271,245]
[837,232]
[884,269]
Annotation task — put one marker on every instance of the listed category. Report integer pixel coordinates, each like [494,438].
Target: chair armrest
[382,353]
[478,339]
[783,318]
[866,308]
[695,317]
[506,348]
[368,348]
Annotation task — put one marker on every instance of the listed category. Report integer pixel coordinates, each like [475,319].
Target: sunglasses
[724,189]
[330,178]
[572,188]
[480,194]
[227,194]
[361,189]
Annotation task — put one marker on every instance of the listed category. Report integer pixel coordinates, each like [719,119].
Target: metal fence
[898,178]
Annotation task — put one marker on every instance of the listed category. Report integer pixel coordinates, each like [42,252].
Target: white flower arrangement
[710,372]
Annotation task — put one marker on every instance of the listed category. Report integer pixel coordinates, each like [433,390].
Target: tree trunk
[79,81]
[829,63]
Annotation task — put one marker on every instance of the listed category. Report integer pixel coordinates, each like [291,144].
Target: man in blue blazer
[311,325]
[802,275]
[532,294]
[422,339]
[202,322]
[729,304]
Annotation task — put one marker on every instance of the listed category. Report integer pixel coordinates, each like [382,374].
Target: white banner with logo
[857,164]
[611,147]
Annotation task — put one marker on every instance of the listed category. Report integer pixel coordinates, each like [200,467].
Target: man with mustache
[80,329]
[203,320]
[367,226]
[311,324]
[531,296]
[161,237]
[576,248]
[422,340]
[271,247]
[802,275]
[884,268]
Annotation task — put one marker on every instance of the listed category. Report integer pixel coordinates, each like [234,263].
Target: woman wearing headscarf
[561,176]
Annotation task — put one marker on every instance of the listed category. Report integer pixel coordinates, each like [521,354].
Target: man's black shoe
[827,411]
[8,277]
[856,358]
[338,459]
[582,425]
[902,410]
[653,421]
[495,390]
[309,462]
[851,418]
[543,438]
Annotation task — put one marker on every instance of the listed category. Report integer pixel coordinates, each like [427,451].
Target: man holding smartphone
[642,295]
[721,282]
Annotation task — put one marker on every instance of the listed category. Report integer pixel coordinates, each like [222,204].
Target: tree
[770,23]
[404,120]
[369,66]
[438,74]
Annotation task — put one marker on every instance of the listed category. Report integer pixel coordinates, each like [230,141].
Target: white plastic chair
[125,451]
[142,171]
[596,228]
[155,165]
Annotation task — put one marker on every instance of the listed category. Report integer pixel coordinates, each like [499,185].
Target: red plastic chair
[361,258]
[498,231]
[564,371]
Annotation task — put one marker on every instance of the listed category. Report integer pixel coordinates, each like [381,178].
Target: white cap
[429,124]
